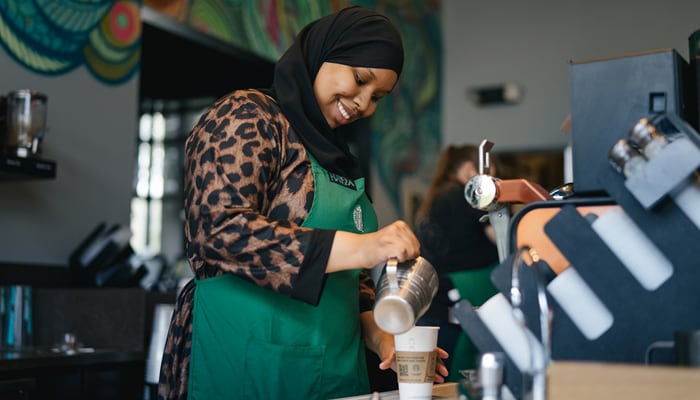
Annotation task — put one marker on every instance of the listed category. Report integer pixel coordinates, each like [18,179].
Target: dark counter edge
[40,276]
[54,360]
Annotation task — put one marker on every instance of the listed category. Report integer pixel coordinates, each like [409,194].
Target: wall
[92,139]
[531,43]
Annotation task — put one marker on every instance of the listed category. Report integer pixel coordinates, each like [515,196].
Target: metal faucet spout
[538,372]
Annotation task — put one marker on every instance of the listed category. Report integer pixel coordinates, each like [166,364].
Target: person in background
[457,242]
[280,232]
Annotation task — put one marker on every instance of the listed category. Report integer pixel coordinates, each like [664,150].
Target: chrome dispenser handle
[481,192]
[484,157]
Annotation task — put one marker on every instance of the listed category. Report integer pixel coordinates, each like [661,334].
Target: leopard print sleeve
[248,188]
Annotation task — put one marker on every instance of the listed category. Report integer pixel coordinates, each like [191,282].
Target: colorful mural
[53,37]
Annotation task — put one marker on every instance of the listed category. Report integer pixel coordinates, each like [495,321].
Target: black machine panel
[610,94]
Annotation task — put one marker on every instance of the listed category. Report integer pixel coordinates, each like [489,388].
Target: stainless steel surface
[404,293]
[538,374]
[619,154]
[441,391]
[470,384]
[500,220]
[646,138]
[562,192]
[484,157]
[481,192]
[491,375]
[625,158]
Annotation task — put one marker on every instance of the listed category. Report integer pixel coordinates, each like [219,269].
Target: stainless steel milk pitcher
[404,294]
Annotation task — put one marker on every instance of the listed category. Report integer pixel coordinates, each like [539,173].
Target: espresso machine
[578,270]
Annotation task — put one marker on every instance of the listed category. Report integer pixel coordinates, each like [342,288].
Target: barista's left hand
[382,344]
[388,357]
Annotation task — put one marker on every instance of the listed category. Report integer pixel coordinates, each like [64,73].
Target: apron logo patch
[357,218]
[340,180]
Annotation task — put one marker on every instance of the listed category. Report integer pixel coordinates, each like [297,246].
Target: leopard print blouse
[248,189]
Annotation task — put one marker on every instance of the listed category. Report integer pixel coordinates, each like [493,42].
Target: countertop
[29,358]
[441,391]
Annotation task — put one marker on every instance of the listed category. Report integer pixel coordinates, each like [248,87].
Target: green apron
[254,343]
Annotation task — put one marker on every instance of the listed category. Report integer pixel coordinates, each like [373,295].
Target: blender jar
[25,122]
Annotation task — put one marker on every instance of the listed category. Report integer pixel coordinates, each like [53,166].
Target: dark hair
[449,162]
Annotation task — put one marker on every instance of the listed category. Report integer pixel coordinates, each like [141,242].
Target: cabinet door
[110,381]
[17,389]
[57,383]
[119,381]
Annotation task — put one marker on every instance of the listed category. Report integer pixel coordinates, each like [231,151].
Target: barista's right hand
[351,250]
[395,240]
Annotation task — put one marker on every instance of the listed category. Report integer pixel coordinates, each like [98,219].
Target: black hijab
[353,36]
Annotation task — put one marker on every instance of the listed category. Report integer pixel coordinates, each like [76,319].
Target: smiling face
[346,94]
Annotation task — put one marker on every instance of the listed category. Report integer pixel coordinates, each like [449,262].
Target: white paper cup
[416,361]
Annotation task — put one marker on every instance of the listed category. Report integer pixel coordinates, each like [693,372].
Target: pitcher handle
[391,267]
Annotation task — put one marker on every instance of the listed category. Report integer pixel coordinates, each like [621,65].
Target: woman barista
[280,231]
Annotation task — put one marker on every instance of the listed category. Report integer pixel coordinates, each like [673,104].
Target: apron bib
[253,343]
